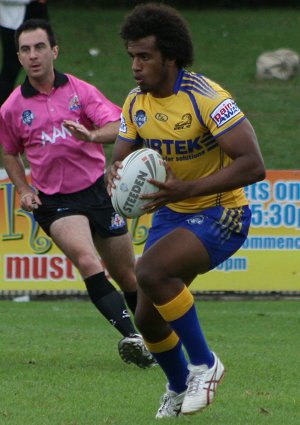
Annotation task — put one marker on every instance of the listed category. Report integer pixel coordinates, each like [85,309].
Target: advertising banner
[268,261]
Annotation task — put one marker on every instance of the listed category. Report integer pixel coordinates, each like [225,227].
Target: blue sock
[174,364]
[188,328]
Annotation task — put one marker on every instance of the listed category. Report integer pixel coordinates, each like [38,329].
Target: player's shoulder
[200,85]
[133,95]
[136,91]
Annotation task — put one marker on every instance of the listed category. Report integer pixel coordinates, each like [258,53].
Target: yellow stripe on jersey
[184,128]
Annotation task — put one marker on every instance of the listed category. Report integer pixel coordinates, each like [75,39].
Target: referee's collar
[28,90]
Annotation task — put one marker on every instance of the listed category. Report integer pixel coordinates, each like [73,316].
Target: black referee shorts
[93,202]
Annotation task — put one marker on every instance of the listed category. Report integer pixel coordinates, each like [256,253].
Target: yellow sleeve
[220,113]
[128,130]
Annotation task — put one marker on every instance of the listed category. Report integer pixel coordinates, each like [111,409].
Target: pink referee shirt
[31,122]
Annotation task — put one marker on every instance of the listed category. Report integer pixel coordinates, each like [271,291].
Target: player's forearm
[14,167]
[242,172]
[106,134]
[122,149]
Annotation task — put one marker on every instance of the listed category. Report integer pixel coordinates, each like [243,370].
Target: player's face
[151,71]
[35,54]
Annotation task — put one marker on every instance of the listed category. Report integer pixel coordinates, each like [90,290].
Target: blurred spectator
[12,14]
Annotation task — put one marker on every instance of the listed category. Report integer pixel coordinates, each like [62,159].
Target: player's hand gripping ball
[138,167]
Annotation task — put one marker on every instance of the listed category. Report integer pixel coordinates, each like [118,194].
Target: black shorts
[93,202]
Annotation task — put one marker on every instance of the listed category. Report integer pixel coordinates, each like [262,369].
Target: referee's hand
[30,201]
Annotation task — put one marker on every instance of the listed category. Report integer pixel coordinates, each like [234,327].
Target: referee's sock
[131,300]
[109,302]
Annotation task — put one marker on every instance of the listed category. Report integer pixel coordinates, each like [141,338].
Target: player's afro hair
[173,38]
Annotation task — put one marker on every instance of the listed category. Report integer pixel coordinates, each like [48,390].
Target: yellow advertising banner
[268,261]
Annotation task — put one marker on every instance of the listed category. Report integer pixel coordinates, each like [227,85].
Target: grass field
[60,366]
[227,44]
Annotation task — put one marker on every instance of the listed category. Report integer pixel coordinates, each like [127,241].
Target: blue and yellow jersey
[184,129]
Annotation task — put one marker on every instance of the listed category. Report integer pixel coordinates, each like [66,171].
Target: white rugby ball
[138,167]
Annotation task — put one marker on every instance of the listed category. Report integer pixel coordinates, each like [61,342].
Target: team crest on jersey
[140,118]
[117,221]
[225,112]
[186,122]
[27,117]
[123,125]
[74,103]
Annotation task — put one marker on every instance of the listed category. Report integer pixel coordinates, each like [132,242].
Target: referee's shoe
[132,349]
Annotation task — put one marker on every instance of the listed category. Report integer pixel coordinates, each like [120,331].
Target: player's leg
[73,236]
[163,272]
[112,240]
[119,259]
[180,247]
[167,350]
[118,256]
[58,216]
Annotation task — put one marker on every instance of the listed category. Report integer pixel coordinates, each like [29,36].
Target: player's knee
[144,275]
[150,324]
[88,264]
[125,279]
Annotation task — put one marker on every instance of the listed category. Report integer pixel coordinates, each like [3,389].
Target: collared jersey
[32,122]
[184,128]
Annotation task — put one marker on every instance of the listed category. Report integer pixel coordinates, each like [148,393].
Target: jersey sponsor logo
[123,125]
[180,147]
[74,103]
[140,118]
[27,117]
[57,133]
[186,122]
[225,112]
[161,117]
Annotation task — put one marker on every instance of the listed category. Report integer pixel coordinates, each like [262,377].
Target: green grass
[227,44]
[59,366]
